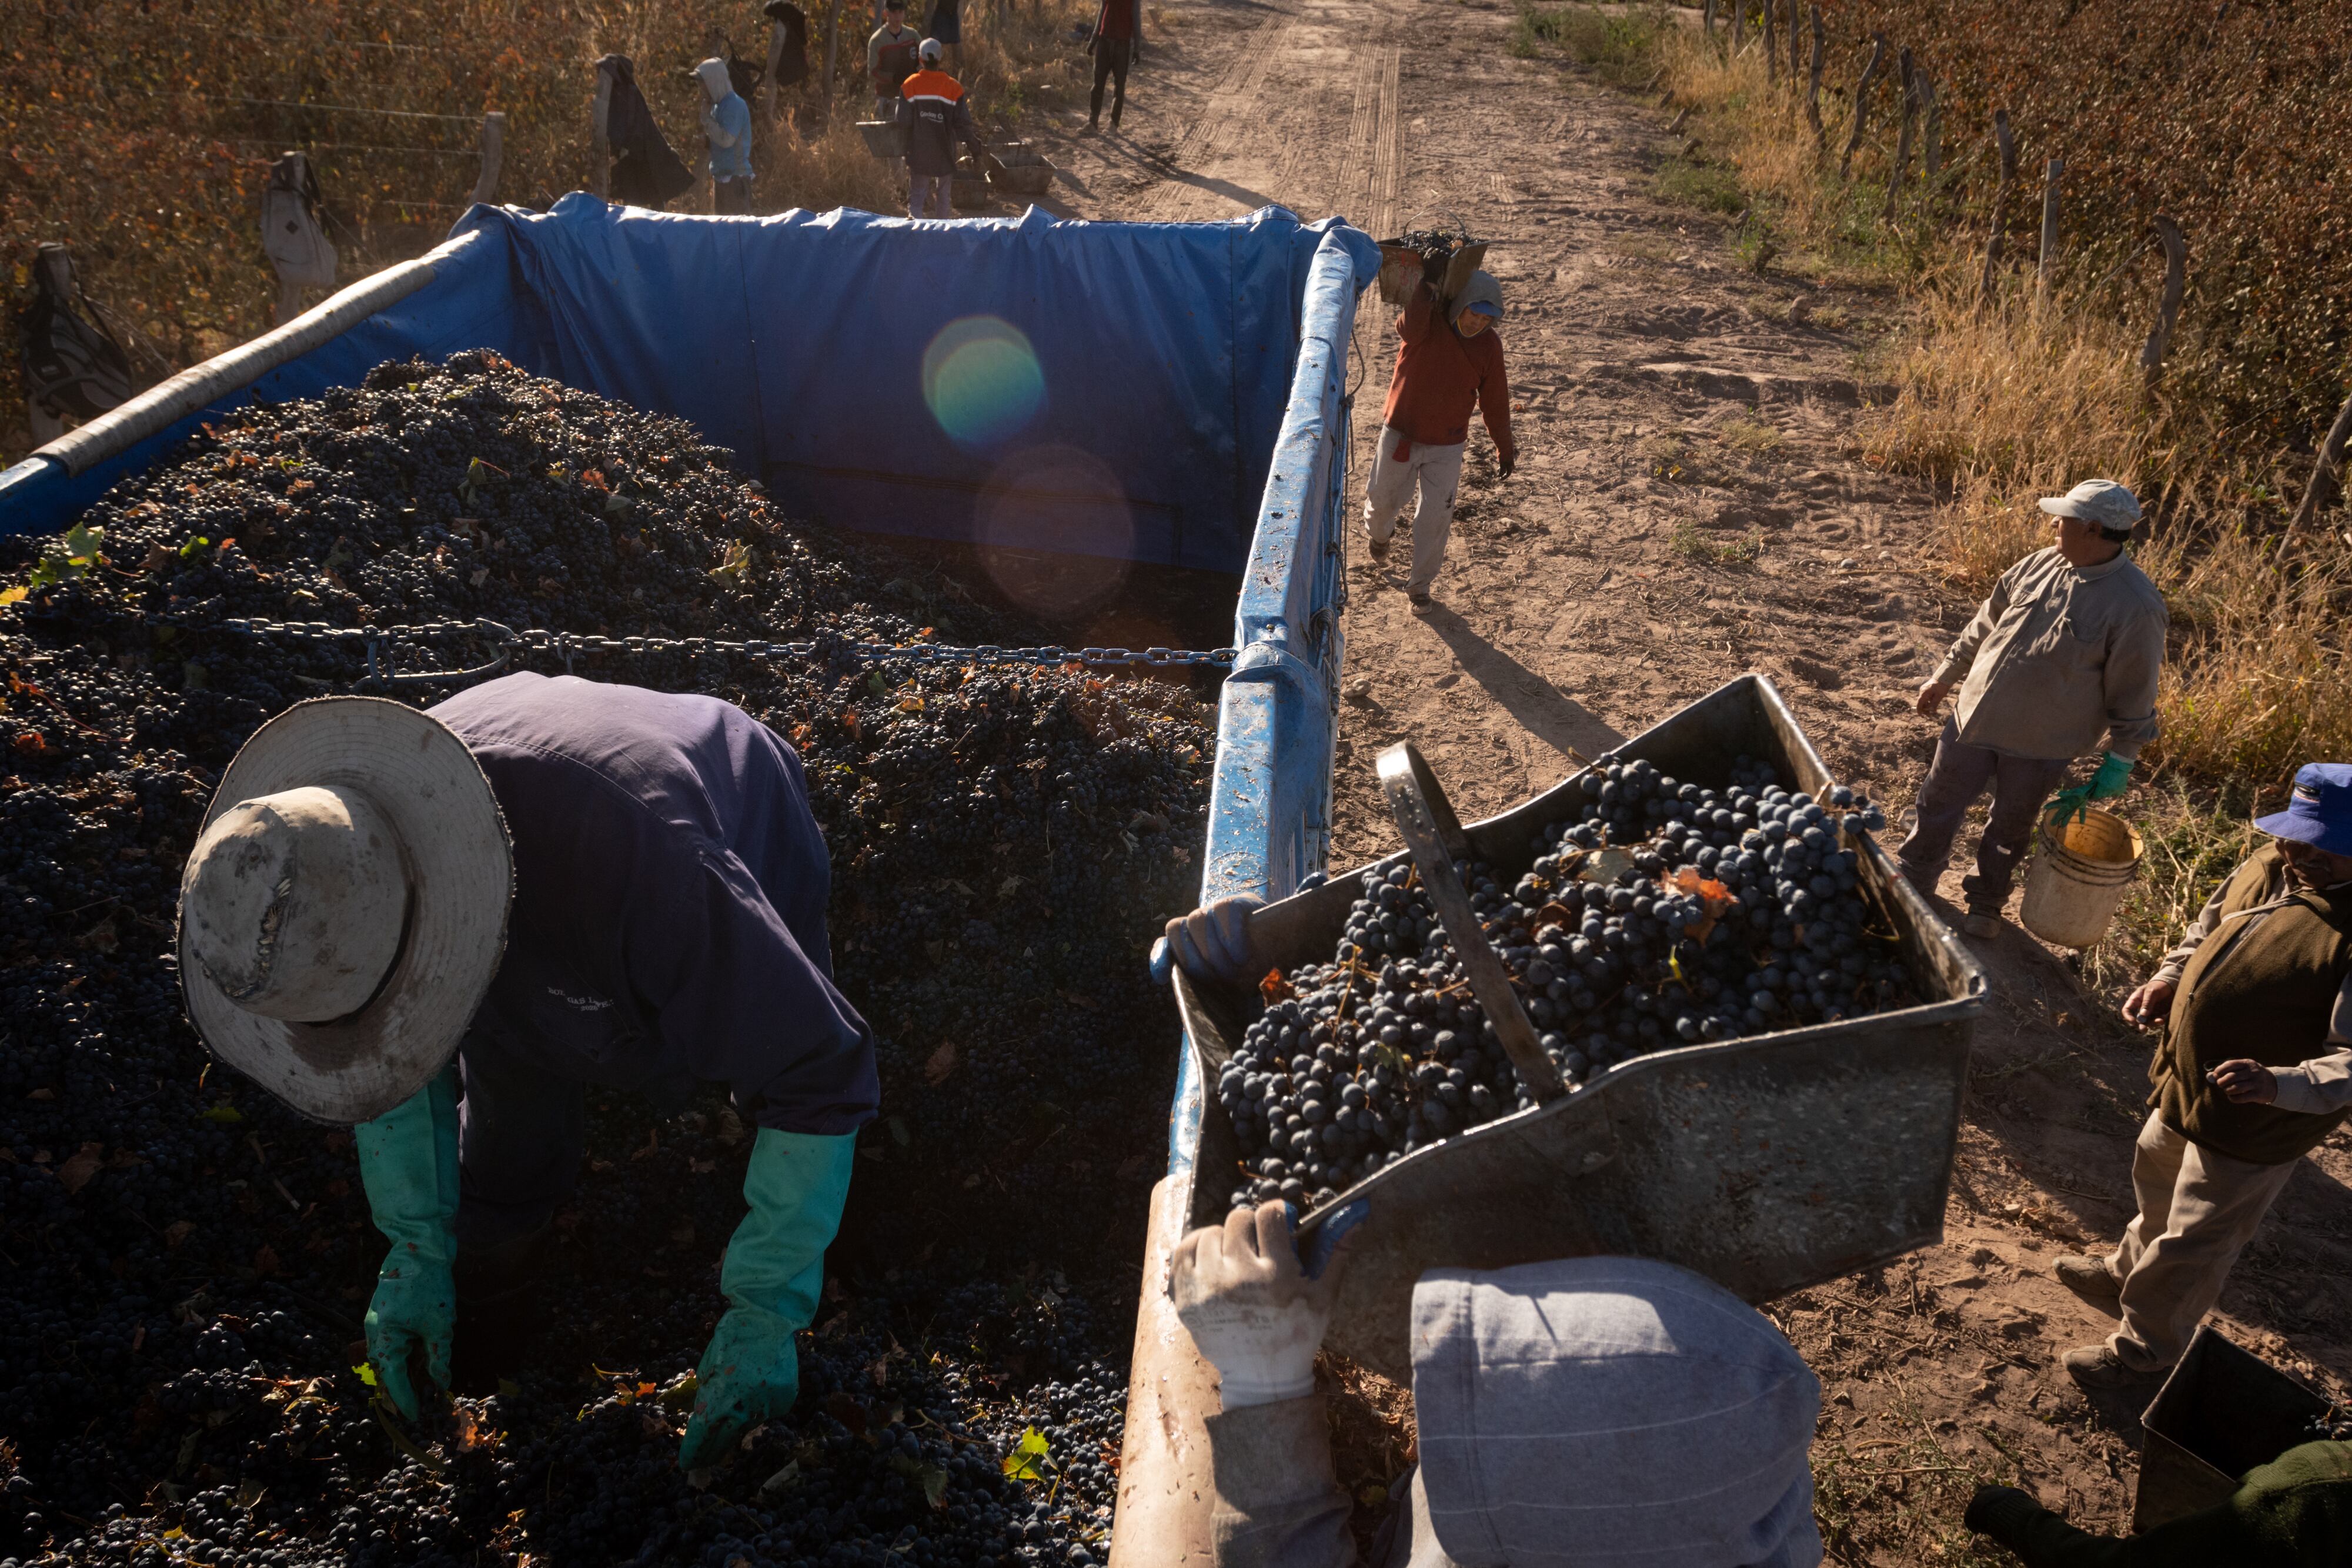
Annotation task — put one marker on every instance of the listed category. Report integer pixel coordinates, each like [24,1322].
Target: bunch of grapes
[1663,913]
[188,1263]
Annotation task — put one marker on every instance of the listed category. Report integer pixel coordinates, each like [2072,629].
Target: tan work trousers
[2197,1209]
[1438,472]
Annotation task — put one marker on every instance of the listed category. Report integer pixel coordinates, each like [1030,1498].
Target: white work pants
[1437,471]
[2197,1209]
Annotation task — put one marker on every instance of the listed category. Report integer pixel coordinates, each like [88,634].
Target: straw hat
[345,907]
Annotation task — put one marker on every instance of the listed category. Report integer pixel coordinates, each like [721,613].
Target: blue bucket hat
[2319,812]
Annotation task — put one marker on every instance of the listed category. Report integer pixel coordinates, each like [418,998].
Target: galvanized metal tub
[1767,1163]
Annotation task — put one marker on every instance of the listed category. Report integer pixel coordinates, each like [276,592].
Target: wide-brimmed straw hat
[345,907]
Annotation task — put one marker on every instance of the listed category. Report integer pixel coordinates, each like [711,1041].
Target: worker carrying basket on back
[2069,643]
[437,929]
[1449,361]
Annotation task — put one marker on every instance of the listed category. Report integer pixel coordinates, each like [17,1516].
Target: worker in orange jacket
[931,106]
[1449,361]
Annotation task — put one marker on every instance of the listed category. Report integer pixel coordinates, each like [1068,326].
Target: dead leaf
[942,1063]
[77,1172]
[179,1230]
[1275,988]
[265,1261]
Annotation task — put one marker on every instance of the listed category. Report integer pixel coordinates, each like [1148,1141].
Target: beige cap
[344,909]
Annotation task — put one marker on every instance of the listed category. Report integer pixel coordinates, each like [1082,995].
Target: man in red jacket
[1114,47]
[1448,360]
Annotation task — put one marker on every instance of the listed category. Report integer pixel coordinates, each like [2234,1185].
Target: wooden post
[1739,26]
[1910,108]
[494,143]
[2168,305]
[1997,239]
[2051,173]
[1862,102]
[1813,92]
[1771,43]
[599,149]
[832,54]
[1707,20]
[1931,127]
[1796,46]
[2326,474]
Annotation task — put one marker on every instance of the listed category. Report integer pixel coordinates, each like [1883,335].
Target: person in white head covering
[2068,644]
[1588,1413]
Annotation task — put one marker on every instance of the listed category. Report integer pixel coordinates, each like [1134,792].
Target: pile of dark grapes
[185,1263]
[1664,913]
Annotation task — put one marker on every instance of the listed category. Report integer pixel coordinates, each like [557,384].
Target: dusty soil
[1688,505]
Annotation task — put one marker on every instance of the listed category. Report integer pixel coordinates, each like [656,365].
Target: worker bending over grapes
[439,928]
[2253,1070]
[2068,643]
[1449,361]
[1587,1411]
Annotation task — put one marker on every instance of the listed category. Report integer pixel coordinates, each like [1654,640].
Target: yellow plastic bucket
[2078,876]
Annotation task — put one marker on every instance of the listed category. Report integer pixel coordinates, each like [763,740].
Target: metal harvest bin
[884,138]
[1767,1163]
[2223,1411]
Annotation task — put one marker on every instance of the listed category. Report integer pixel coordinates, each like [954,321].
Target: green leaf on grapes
[1026,1462]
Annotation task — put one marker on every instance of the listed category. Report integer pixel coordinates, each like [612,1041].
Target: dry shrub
[2231,118]
[2001,402]
[143,136]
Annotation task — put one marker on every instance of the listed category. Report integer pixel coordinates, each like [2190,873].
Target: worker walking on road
[1116,40]
[933,110]
[726,126]
[1449,359]
[891,57]
[2069,643]
[1592,1410]
[439,928]
[2253,1071]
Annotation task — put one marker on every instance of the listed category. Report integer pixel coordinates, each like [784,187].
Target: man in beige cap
[2069,643]
[438,927]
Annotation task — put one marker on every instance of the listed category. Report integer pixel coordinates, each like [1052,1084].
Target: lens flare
[982,380]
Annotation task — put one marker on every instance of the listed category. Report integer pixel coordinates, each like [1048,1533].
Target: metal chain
[375,643]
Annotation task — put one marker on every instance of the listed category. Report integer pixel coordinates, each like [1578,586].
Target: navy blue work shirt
[668,916]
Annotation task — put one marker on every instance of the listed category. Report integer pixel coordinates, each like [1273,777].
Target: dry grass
[2002,402]
[143,142]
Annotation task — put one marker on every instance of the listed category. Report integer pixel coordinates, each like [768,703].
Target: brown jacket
[2264,989]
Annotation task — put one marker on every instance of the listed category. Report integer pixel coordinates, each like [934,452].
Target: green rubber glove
[774,1269]
[408,1163]
[2114,776]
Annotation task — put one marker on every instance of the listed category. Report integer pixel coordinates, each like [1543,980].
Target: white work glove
[1251,1308]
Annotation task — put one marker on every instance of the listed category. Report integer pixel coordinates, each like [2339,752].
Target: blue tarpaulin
[1163,393]
[1106,388]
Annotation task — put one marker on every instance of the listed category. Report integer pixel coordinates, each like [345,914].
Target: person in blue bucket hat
[2253,1070]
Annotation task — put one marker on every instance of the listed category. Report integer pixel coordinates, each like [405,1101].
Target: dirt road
[1687,507]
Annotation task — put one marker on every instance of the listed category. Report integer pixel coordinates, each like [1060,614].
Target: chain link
[375,643]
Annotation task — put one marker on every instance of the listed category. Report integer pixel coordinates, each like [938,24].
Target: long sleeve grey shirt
[1278,1503]
[2319,1085]
[2057,653]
